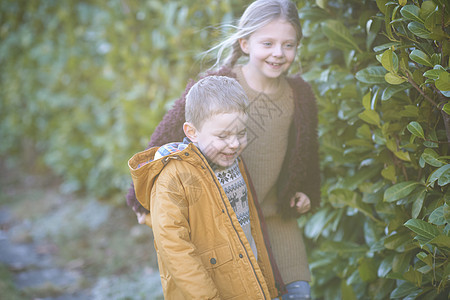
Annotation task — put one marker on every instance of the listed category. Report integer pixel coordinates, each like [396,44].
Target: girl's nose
[278,51]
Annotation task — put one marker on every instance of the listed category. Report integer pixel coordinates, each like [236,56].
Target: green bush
[84,83]
[380,70]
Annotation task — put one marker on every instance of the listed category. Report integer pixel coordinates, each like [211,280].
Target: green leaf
[313,14]
[432,158]
[443,82]
[416,129]
[437,216]
[441,241]
[347,291]
[401,262]
[385,266]
[413,276]
[372,75]
[386,46]
[431,20]
[446,93]
[426,258]
[400,190]
[389,60]
[432,74]
[367,269]
[435,58]
[392,146]
[394,79]
[446,108]
[366,101]
[427,8]
[343,247]
[382,5]
[419,30]
[421,57]
[393,89]
[389,173]
[370,116]
[397,241]
[418,202]
[317,223]
[442,175]
[339,35]
[411,12]
[422,228]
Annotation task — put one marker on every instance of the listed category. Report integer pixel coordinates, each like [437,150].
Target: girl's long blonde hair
[257,15]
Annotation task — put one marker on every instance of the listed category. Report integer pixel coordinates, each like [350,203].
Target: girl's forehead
[278,28]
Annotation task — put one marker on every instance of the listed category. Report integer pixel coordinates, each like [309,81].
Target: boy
[206,227]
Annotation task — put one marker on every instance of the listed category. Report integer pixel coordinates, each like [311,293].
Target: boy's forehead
[228,120]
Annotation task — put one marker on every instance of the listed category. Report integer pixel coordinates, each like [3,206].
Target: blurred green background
[83,84]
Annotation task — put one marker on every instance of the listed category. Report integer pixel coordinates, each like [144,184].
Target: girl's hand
[301,202]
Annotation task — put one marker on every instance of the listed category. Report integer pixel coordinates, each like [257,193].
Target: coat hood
[145,169]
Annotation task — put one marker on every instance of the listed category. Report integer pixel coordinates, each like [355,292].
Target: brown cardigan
[300,170]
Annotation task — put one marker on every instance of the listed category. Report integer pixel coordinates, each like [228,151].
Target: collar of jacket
[144,174]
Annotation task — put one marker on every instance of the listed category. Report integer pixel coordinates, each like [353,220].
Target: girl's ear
[244,45]
[190,131]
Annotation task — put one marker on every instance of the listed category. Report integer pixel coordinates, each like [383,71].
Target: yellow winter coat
[202,250]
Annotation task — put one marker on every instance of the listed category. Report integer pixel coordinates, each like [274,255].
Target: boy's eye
[267,44]
[290,45]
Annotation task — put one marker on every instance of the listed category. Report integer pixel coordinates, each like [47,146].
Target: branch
[414,84]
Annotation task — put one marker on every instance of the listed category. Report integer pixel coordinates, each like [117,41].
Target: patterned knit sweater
[235,188]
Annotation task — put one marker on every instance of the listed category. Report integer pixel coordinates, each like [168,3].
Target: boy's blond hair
[213,95]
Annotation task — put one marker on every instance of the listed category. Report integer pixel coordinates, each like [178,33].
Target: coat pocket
[224,271]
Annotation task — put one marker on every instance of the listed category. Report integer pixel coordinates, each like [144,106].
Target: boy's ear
[244,45]
[190,131]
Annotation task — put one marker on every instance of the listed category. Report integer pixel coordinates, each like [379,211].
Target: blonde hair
[213,95]
[257,15]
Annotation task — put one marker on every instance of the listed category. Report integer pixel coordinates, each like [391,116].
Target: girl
[282,151]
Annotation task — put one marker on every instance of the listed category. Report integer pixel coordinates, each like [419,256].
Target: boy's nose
[234,142]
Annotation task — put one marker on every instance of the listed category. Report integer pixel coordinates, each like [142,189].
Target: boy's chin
[224,164]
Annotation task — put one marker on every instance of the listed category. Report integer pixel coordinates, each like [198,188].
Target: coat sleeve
[177,253]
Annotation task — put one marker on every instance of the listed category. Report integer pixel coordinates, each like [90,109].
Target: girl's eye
[222,137]
[289,45]
[267,44]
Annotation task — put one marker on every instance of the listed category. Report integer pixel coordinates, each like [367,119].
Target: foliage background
[84,83]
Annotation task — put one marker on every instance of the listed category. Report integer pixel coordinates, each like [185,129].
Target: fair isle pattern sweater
[235,188]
